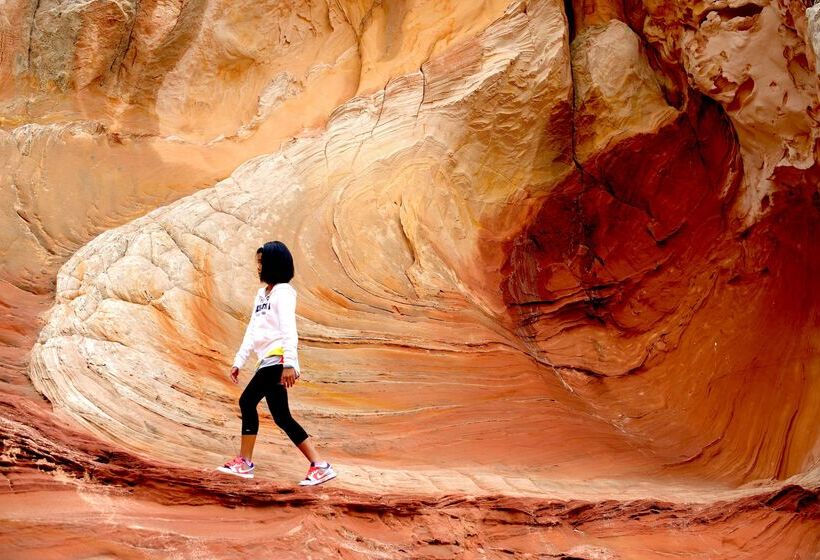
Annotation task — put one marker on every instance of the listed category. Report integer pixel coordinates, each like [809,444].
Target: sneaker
[237,466]
[317,475]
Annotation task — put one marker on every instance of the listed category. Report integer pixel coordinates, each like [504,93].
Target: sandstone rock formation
[163,98]
[381,211]
[554,262]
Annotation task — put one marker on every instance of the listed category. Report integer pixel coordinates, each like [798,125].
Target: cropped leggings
[265,383]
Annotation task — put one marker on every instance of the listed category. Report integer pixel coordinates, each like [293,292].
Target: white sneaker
[237,466]
[317,475]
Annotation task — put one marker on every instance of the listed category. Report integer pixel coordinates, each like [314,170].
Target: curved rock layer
[83,498]
[129,105]
[543,250]
[688,328]
[338,524]
[399,321]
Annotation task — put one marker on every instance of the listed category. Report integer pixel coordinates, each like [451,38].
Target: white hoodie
[272,328]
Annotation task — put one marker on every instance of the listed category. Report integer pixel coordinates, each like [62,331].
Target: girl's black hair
[277,263]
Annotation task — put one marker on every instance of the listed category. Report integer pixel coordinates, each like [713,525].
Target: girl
[271,333]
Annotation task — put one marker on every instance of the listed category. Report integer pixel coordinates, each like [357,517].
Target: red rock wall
[556,264]
[695,334]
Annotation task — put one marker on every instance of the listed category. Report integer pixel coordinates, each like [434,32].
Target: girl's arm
[247,342]
[286,308]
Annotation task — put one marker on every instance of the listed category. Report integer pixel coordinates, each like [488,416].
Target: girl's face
[258,264]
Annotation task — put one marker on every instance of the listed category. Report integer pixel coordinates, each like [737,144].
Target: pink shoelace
[313,470]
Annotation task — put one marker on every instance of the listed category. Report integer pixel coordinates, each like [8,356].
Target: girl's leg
[246,450]
[248,402]
[277,397]
[307,449]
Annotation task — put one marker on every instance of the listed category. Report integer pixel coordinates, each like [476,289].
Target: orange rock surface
[555,265]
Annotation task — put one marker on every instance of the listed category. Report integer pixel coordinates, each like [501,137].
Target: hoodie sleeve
[247,342]
[286,309]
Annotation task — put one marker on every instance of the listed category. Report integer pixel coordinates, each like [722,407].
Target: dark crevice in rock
[31,33]
[118,59]
[570,15]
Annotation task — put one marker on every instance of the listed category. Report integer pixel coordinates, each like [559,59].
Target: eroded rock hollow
[552,257]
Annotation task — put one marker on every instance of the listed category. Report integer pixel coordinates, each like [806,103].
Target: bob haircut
[277,263]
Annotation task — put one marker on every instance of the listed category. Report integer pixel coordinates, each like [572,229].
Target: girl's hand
[235,374]
[288,377]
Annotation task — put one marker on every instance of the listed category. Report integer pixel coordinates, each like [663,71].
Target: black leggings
[265,383]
